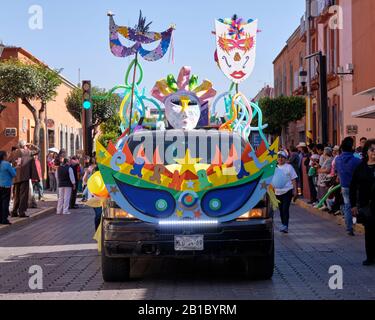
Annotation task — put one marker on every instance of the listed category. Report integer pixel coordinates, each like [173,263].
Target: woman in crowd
[323,173]
[310,165]
[362,198]
[52,172]
[7,173]
[285,185]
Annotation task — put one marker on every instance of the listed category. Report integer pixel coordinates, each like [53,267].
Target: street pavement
[63,247]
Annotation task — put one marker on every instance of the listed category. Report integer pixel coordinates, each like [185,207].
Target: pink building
[347,39]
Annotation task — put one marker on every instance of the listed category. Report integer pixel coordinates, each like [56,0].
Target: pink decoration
[207,96]
[157,94]
[184,78]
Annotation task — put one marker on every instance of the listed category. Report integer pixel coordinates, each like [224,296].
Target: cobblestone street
[63,247]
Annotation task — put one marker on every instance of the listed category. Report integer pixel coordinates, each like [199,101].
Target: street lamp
[303,79]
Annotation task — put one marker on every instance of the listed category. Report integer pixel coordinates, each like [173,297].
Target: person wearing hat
[285,184]
[22,159]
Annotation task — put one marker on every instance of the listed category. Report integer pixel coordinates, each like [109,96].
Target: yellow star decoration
[179,213]
[188,163]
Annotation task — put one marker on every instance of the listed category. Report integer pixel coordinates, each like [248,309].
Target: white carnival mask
[236,47]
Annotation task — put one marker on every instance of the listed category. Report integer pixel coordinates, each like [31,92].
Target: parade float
[191,183]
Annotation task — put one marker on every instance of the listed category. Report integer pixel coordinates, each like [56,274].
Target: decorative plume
[142,27]
[165,87]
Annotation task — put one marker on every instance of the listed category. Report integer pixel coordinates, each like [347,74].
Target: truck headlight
[117,213]
[257,213]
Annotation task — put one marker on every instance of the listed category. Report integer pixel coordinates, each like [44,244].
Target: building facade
[265,92]
[60,129]
[341,32]
[287,66]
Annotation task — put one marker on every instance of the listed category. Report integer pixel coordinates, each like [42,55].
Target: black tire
[115,269]
[260,268]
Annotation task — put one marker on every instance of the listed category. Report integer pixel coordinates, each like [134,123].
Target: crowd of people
[21,180]
[341,181]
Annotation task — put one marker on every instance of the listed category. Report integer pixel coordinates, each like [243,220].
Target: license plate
[188,243]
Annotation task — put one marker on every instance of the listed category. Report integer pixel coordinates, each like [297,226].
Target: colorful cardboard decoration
[185,101]
[189,189]
[236,47]
[140,35]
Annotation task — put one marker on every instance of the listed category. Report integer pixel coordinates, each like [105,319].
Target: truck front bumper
[140,239]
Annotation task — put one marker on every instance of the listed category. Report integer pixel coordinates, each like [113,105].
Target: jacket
[362,188]
[345,164]
[25,171]
[7,173]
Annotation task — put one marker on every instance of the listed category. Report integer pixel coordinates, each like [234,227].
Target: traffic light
[86,87]
[87,117]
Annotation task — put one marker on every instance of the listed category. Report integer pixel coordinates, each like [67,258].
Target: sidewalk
[358,228]
[44,208]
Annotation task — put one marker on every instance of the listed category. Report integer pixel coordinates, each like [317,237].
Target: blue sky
[75,35]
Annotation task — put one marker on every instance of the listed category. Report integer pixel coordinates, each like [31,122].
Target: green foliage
[19,80]
[279,112]
[110,130]
[28,82]
[103,107]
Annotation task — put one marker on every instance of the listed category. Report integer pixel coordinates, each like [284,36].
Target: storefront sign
[352,129]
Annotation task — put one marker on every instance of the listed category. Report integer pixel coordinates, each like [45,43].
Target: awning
[367,113]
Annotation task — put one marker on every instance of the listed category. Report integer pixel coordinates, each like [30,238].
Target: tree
[110,130]
[30,83]
[279,112]
[103,107]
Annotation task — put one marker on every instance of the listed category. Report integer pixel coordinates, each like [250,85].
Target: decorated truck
[191,184]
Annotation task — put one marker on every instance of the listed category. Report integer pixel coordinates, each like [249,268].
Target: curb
[26,221]
[339,220]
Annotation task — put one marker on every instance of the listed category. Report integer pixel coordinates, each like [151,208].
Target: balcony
[321,10]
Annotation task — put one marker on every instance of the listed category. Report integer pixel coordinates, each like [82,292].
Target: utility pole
[323,96]
[87,118]
[308,18]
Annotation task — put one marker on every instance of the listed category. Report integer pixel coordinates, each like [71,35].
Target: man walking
[67,183]
[22,157]
[345,164]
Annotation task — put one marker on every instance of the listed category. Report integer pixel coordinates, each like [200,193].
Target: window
[333,54]
[61,139]
[284,80]
[72,153]
[314,128]
[291,79]
[66,141]
[51,138]
[77,143]
[302,136]
[334,125]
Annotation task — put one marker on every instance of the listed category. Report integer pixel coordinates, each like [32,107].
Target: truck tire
[114,269]
[261,268]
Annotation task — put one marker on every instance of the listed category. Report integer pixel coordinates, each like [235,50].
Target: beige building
[60,129]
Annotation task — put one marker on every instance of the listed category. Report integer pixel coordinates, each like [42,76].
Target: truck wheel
[260,268]
[115,269]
